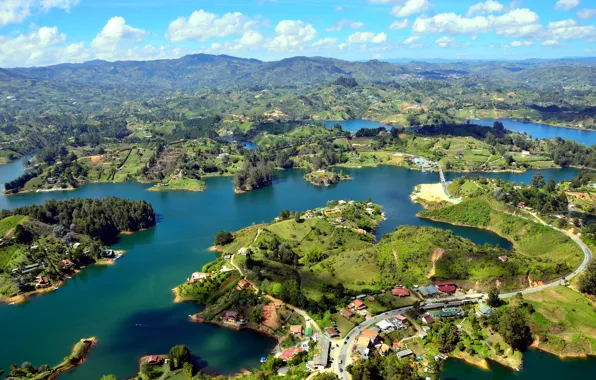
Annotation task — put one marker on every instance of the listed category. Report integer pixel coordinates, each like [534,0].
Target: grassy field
[564,320]
[546,252]
[8,223]
[187,184]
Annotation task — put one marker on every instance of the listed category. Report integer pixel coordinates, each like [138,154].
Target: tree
[325,376]
[550,186]
[447,337]
[188,370]
[538,181]
[587,282]
[223,238]
[179,355]
[514,328]
[493,297]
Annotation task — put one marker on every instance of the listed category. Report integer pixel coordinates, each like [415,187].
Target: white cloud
[379,38]
[16,11]
[292,35]
[445,41]
[399,24]
[43,46]
[376,56]
[338,26]
[62,4]
[410,7]
[521,43]
[550,43]
[488,7]
[106,43]
[365,37]
[339,8]
[566,5]
[325,42]
[411,40]
[201,26]
[569,29]
[515,23]
[586,14]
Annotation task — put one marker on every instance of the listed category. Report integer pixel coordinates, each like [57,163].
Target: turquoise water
[128,306]
[537,365]
[542,131]
[356,124]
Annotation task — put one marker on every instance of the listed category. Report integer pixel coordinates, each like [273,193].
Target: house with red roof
[359,305]
[289,353]
[427,319]
[346,313]
[400,292]
[446,287]
[154,360]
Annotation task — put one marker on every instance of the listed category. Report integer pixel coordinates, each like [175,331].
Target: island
[41,246]
[326,178]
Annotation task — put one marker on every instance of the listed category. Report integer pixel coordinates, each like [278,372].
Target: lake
[537,365]
[542,131]
[128,306]
[355,124]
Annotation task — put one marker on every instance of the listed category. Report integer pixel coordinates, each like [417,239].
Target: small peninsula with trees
[42,245]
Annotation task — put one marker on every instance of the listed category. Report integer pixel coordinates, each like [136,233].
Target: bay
[128,306]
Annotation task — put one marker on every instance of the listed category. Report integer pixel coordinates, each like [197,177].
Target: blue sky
[42,32]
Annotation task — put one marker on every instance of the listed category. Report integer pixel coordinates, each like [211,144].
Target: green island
[183,164]
[325,178]
[43,245]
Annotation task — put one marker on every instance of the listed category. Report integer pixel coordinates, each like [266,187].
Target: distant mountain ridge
[225,72]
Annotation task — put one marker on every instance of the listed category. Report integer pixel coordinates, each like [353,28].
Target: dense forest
[99,218]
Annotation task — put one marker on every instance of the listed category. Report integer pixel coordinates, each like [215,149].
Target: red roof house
[155,359]
[400,292]
[428,319]
[446,287]
[289,353]
[359,305]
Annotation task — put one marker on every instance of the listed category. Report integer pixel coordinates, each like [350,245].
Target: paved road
[344,356]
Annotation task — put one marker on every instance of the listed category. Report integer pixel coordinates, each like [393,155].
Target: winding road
[342,356]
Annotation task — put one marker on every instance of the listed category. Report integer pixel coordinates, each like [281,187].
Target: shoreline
[20,298]
[537,346]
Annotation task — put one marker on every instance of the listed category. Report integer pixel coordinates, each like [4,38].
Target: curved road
[343,355]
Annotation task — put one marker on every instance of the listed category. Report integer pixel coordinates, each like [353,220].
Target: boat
[12,303]
[117,256]
[55,288]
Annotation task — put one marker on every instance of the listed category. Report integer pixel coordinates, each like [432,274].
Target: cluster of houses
[321,358]
[233,318]
[369,339]
[436,290]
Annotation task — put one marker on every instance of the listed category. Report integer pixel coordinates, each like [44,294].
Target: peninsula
[41,246]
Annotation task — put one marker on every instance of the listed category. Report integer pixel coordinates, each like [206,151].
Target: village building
[401,318]
[41,282]
[233,317]
[155,360]
[332,332]
[296,330]
[483,310]
[309,214]
[427,319]
[198,276]
[321,361]
[400,292]
[404,353]
[347,313]
[359,305]
[66,264]
[289,353]
[503,258]
[244,284]
[446,287]
[428,291]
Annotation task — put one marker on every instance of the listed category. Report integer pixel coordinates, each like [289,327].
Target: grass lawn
[566,318]
[8,223]
[187,184]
